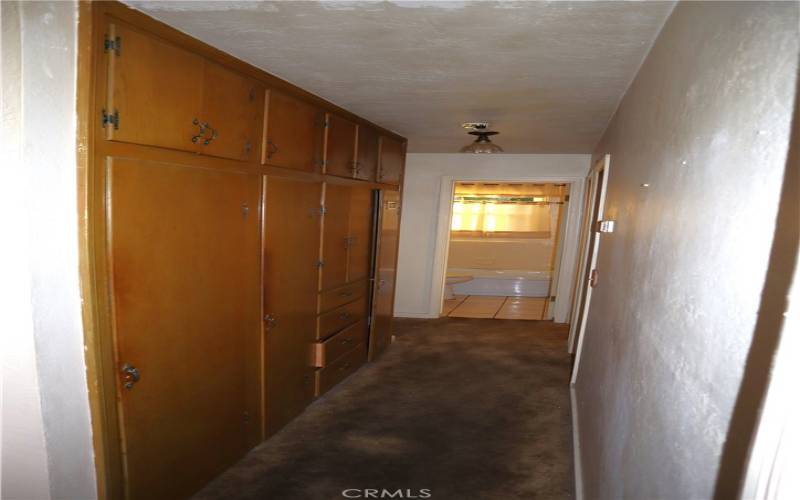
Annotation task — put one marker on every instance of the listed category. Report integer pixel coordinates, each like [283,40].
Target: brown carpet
[466,408]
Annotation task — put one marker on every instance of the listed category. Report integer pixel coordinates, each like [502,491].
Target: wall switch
[605,226]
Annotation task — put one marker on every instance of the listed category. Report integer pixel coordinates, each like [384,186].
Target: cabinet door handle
[202,126]
[272,148]
[214,135]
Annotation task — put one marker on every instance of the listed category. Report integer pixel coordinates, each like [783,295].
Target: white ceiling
[547,75]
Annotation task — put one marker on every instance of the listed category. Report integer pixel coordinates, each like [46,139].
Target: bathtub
[514,283]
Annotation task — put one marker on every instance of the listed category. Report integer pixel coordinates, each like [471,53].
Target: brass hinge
[323,210]
[553,298]
[111,119]
[566,198]
[320,263]
[115,44]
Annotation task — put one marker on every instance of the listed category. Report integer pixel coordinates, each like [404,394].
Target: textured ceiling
[547,75]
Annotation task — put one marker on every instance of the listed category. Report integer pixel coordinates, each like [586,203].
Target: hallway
[466,408]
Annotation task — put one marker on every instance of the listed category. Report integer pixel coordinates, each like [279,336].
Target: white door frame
[563,288]
[577,328]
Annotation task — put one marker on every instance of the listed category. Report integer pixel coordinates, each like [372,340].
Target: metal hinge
[553,298]
[323,210]
[320,263]
[566,198]
[111,119]
[115,44]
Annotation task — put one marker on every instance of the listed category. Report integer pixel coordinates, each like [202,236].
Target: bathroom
[503,250]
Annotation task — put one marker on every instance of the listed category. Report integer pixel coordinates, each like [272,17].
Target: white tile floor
[481,306]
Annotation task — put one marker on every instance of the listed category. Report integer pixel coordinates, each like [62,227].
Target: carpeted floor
[465,408]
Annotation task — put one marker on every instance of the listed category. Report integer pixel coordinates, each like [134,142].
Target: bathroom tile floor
[483,306]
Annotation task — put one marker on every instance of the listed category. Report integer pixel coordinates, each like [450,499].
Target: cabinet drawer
[342,295]
[332,349]
[346,365]
[333,321]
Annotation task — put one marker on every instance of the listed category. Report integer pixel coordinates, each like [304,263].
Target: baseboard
[576,445]
[401,314]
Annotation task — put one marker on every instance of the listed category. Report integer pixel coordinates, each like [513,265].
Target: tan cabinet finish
[383,292]
[367,158]
[342,295]
[293,133]
[290,276]
[185,298]
[155,89]
[162,95]
[334,347]
[340,147]
[393,159]
[346,235]
[360,234]
[333,321]
[326,378]
[232,107]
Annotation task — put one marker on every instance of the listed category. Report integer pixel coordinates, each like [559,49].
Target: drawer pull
[344,316]
[346,341]
[348,293]
[345,366]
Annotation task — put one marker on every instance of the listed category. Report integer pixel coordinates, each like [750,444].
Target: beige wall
[706,124]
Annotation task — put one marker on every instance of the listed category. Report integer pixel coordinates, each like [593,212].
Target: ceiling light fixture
[482,143]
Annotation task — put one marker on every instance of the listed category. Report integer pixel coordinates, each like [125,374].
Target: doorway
[503,250]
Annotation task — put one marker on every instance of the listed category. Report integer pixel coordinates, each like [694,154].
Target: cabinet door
[291,250]
[293,135]
[341,147]
[393,158]
[155,90]
[359,234]
[232,108]
[184,266]
[385,272]
[367,161]
[336,227]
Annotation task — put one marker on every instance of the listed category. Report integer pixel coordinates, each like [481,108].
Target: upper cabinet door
[359,240]
[155,90]
[293,133]
[232,109]
[367,160]
[335,235]
[341,147]
[393,159]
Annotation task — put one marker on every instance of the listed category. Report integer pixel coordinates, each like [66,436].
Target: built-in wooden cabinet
[392,161]
[340,146]
[293,133]
[385,272]
[165,96]
[367,155]
[232,230]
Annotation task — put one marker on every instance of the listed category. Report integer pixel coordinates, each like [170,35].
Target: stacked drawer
[341,346]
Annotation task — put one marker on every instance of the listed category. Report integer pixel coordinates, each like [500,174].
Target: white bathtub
[515,283]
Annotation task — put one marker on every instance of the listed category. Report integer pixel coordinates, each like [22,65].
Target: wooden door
[155,90]
[359,234]
[232,109]
[392,161]
[597,181]
[367,159]
[293,133]
[184,260]
[385,272]
[291,251]
[335,238]
[340,147]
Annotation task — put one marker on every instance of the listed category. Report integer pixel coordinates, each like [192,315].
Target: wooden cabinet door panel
[385,273]
[340,147]
[291,250]
[293,135]
[367,161]
[184,260]
[336,227]
[155,88]
[232,107]
[392,162]
[359,234]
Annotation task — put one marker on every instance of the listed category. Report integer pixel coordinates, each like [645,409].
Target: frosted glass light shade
[482,145]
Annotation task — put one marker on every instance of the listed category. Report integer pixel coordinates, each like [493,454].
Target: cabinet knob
[272,148]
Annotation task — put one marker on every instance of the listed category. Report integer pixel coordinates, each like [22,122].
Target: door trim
[568,255]
[578,328]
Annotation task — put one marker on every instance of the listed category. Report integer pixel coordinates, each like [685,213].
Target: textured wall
[419,222]
[706,125]
[43,236]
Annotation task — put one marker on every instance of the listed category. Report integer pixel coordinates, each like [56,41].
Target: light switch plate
[605,226]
